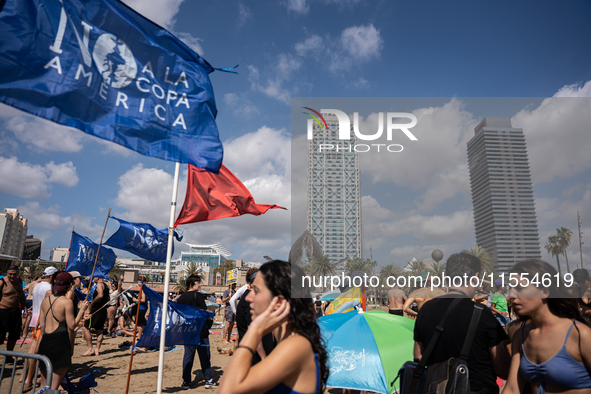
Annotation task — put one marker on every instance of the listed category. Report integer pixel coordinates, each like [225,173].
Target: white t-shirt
[38,296]
[113,298]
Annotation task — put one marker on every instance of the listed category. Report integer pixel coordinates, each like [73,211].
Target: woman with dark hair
[113,304]
[57,329]
[582,292]
[547,354]
[298,364]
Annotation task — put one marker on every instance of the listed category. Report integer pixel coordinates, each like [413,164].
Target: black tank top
[62,327]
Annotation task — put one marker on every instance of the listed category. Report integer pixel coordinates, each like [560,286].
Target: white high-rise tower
[502,193]
[334,193]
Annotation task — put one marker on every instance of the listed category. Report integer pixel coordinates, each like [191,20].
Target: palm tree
[32,272]
[437,269]
[387,271]
[223,268]
[192,268]
[486,260]
[564,235]
[323,266]
[555,249]
[148,278]
[181,284]
[117,270]
[415,267]
[358,264]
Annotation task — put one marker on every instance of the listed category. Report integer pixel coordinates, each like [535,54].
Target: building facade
[32,250]
[502,193]
[58,255]
[334,193]
[205,255]
[13,232]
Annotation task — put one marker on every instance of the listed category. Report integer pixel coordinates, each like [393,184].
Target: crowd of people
[533,338]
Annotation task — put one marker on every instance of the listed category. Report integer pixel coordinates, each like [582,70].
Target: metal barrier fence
[26,357]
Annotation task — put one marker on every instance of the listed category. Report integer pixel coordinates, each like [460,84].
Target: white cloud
[312,45]
[145,194]
[244,14]
[360,83]
[382,227]
[355,46]
[362,42]
[192,42]
[557,137]
[64,173]
[49,218]
[435,164]
[161,12]
[264,152]
[274,86]
[33,180]
[575,90]
[240,105]
[423,252]
[262,161]
[298,6]
[42,135]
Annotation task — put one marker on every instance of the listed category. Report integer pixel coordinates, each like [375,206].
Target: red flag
[216,196]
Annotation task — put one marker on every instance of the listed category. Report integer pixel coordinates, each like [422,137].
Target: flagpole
[167,277]
[97,253]
[69,247]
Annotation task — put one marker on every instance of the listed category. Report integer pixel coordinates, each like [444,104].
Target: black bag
[447,377]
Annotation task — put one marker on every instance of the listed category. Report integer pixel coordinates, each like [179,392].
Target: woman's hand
[83,305]
[275,315]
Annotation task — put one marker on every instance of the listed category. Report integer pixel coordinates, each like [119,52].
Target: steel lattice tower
[334,194]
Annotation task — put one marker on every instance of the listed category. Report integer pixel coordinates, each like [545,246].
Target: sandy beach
[113,362]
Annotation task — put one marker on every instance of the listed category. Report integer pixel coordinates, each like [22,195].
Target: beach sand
[113,362]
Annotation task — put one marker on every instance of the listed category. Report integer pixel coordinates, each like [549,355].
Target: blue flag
[141,239]
[100,67]
[183,323]
[83,254]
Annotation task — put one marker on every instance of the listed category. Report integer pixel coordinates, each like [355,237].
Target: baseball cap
[75,274]
[49,271]
[61,282]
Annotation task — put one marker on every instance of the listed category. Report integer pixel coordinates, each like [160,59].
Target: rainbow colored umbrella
[366,349]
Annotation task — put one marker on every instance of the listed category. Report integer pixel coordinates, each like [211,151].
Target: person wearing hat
[57,323]
[71,294]
[11,296]
[39,293]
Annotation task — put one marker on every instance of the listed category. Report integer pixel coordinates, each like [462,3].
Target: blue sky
[60,178]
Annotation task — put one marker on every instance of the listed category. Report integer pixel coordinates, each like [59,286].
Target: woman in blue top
[298,364]
[548,354]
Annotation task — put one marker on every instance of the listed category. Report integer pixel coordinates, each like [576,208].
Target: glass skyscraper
[334,193]
[502,194]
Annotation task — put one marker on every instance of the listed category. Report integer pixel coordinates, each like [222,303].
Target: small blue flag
[98,66]
[141,239]
[183,323]
[83,254]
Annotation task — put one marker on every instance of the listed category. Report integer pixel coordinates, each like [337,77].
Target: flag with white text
[83,256]
[141,239]
[98,66]
[183,322]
